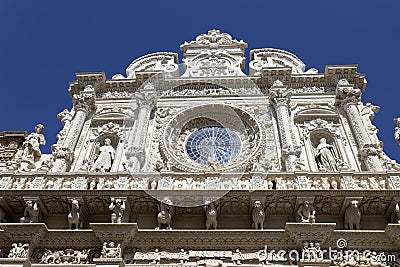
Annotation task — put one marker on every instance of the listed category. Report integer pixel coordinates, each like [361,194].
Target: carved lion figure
[258,215]
[352,216]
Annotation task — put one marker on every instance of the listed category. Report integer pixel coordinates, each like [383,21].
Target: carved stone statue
[258,215]
[110,250]
[117,207]
[211,215]
[31,212]
[33,142]
[73,217]
[19,250]
[352,216]
[325,157]
[395,218]
[105,159]
[397,130]
[164,217]
[306,213]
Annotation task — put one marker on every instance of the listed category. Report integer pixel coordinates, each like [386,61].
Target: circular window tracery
[213,144]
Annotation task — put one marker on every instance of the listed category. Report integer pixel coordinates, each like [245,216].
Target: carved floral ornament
[181,126]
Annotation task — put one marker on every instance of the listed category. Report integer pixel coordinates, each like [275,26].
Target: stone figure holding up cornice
[306,213]
[117,207]
[33,141]
[105,159]
[31,212]
[325,157]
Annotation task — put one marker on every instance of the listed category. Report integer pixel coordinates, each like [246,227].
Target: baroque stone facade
[200,164]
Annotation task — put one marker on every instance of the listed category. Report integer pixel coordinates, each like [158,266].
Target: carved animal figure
[352,216]
[258,215]
[31,213]
[211,214]
[80,256]
[396,214]
[164,217]
[73,217]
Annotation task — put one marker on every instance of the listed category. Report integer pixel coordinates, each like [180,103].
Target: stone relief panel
[328,205]
[231,204]
[378,205]
[282,205]
[55,204]
[143,204]
[97,204]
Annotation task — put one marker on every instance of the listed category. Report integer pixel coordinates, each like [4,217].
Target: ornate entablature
[204,165]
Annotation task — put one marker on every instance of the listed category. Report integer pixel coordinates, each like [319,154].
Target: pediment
[314,112]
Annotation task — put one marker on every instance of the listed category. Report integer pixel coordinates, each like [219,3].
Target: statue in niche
[31,145]
[105,159]
[352,216]
[258,215]
[306,213]
[395,218]
[73,217]
[212,211]
[326,158]
[117,207]
[31,212]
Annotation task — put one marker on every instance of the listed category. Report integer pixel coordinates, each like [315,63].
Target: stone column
[280,99]
[83,105]
[347,97]
[137,138]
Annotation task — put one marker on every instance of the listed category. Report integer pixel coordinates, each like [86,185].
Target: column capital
[84,100]
[279,94]
[346,93]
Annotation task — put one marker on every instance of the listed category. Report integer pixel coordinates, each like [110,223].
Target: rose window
[213,144]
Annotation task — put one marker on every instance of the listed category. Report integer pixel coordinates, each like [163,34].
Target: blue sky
[44,43]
